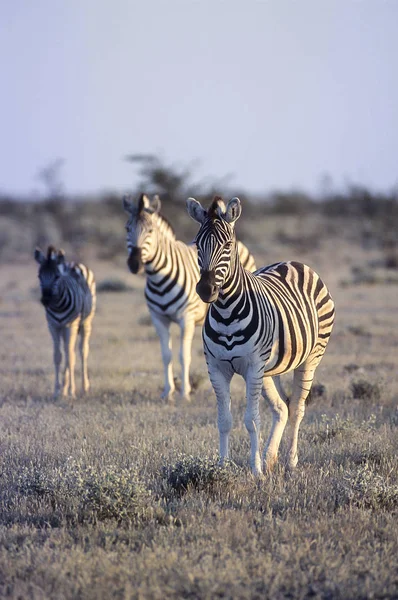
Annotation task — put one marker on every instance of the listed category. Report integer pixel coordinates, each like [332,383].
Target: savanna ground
[118,495]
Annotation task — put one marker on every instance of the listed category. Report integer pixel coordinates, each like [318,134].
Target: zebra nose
[206,287]
[134,260]
[46,298]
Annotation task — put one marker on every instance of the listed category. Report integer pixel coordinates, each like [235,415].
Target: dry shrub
[80,493]
[194,472]
[365,488]
[364,390]
[112,284]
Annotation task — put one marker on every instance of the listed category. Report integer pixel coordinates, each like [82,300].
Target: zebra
[68,295]
[259,325]
[172,273]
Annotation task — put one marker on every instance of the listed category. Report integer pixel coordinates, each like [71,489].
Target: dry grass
[118,495]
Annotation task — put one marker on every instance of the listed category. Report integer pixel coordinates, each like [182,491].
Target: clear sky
[277,92]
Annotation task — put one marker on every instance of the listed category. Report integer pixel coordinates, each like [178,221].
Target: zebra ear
[233,211]
[39,256]
[156,204]
[61,257]
[196,210]
[127,204]
[143,203]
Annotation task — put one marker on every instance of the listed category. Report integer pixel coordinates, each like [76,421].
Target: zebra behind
[172,272]
[69,298]
[259,325]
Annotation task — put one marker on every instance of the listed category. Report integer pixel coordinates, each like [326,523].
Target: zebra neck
[62,297]
[160,263]
[233,287]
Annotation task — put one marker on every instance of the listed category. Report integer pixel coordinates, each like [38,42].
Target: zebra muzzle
[46,299]
[134,260]
[206,287]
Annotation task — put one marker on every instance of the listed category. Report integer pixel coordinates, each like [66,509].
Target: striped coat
[172,272]
[260,325]
[69,298]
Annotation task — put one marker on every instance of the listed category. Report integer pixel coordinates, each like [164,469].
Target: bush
[199,473]
[364,390]
[364,488]
[82,493]
[113,285]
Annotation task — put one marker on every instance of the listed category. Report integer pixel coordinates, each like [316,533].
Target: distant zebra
[68,295]
[172,273]
[259,325]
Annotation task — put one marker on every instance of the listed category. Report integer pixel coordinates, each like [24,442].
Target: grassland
[118,495]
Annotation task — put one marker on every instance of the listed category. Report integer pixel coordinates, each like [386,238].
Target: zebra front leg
[254,381]
[70,335]
[187,332]
[57,355]
[279,419]
[302,381]
[162,326]
[84,350]
[221,380]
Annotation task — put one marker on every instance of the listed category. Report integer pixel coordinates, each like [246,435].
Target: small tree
[173,184]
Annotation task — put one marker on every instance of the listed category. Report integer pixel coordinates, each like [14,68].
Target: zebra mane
[213,211]
[164,225]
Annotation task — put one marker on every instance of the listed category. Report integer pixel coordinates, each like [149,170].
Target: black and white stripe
[260,325]
[69,297]
[172,273]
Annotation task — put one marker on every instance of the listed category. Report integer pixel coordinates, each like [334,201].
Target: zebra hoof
[168,397]
[258,474]
[270,464]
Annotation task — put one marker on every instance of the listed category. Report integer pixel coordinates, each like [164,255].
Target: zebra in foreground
[68,295]
[172,272]
[260,325]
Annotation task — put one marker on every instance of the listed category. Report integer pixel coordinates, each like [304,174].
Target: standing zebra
[172,273]
[68,295]
[260,325]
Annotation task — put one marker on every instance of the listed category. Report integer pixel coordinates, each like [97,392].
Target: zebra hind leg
[85,332]
[302,382]
[274,394]
[187,333]
[254,379]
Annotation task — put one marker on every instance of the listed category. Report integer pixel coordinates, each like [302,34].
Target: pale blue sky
[277,92]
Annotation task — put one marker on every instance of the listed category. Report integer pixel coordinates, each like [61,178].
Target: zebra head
[52,268]
[141,240]
[216,243]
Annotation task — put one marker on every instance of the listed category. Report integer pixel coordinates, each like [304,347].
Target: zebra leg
[57,355]
[187,332]
[70,335]
[162,326]
[221,381]
[302,381]
[279,387]
[85,333]
[271,392]
[252,417]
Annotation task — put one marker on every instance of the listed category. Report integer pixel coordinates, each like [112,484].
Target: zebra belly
[229,344]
